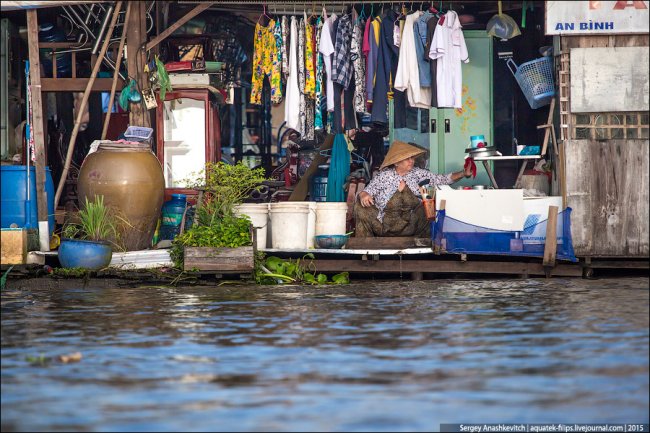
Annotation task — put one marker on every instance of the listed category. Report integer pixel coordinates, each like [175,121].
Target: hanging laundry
[339,169]
[318,118]
[277,34]
[359,68]
[420,33]
[301,74]
[408,77]
[433,63]
[386,70]
[292,100]
[326,48]
[372,50]
[342,62]
[265,62]
[310,70]
[449,49]
[285,40]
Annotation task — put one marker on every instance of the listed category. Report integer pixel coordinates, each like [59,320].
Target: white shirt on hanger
[448,47]
[326,48]
[408,74]
[292,96]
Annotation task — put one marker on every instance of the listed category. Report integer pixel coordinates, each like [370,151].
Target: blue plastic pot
[94,255]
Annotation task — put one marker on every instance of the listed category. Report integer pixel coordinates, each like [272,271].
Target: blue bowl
[77,253]
[331,242]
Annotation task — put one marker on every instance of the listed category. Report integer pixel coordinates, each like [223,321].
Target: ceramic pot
[130,178]
[76,253]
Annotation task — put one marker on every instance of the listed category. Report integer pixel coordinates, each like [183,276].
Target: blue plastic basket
[138,133]
[535,79]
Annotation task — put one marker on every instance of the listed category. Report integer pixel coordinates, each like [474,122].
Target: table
[525,158]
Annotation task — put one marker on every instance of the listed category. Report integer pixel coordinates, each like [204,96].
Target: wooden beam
[550,245]
[392,266]
[171,29]
[136,37]
[37,118]
[84,101]
[75,84]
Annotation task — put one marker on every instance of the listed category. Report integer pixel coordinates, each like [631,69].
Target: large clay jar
[130,178]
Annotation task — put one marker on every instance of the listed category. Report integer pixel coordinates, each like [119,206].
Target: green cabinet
[446,131]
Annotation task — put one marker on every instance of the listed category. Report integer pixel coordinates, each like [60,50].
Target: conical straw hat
[399,151]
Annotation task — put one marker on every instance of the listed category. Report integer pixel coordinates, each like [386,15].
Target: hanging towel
[339,169]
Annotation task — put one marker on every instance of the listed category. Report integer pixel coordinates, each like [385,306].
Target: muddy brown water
[390,356]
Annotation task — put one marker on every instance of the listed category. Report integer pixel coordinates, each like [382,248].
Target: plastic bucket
[14,207]
[311,225]
[330,218]
[289,224]
[259,215]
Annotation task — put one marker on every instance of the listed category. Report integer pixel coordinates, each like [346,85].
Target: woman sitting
[390,205]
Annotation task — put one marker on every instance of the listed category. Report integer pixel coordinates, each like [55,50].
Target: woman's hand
[467,171]
[366,199]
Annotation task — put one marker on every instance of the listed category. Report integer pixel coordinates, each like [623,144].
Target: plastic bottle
[318,185]
[172,216]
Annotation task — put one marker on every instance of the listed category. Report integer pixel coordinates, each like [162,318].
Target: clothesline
[314,7]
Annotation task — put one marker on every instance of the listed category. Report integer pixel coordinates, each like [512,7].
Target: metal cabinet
[446,131]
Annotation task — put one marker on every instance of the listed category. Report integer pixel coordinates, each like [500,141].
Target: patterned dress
[266,62]
[359,69]
[285,40]
[318,118]
[301,74]
[310,70]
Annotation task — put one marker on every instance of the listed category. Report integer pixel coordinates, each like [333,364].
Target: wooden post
[136,37]
[37,124]
[116,73]
[550,246]
[84,101]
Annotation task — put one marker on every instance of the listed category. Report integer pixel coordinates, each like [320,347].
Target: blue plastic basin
[76,253]
[13,197]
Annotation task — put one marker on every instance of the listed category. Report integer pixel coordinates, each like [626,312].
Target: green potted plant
[88,242]
[220,240]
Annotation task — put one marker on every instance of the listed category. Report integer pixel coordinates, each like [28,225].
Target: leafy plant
[274,270]
[227,232]
[97,222]
[225,186]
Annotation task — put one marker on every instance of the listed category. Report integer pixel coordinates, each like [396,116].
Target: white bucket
[289,224]
[311,225]
[330,218]
[259,215]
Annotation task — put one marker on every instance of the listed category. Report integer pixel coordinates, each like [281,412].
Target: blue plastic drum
[13,196]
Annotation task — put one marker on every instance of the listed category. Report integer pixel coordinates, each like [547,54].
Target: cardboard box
[13,246]
[495,209]
[536,212]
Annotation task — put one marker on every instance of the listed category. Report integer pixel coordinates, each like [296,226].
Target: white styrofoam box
[193,78]
[536,211]
[497,209]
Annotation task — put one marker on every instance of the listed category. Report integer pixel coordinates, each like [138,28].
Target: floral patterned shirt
[386,182]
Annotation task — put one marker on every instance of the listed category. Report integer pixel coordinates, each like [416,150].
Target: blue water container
[318,185]
[172,216]
[13,197]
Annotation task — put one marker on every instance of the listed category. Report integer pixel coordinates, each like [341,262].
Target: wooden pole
[116,73]
[136,37]
[171,29]
[37,125]
[84,101]
[550,245]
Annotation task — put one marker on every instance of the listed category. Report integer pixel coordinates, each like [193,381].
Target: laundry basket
[535,79]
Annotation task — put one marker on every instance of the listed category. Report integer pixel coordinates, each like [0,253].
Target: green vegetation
[97,222]
[274,270]
[224,186]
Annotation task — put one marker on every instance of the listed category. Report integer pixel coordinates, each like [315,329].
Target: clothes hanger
[263,14]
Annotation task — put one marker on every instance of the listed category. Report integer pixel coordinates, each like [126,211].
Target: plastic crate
[138,133]
[535,78]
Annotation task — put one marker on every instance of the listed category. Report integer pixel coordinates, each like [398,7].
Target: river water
[390,356]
